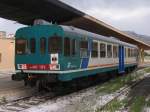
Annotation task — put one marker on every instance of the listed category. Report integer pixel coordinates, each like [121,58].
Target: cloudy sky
[133,15]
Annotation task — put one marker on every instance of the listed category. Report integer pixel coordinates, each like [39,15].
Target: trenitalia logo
[38,66]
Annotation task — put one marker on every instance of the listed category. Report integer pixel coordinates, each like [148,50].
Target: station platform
[10,90]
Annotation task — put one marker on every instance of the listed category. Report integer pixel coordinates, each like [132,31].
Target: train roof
[95,36]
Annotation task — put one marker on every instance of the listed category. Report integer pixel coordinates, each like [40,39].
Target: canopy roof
[26,11]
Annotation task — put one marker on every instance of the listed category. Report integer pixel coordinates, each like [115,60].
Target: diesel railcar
[63,53]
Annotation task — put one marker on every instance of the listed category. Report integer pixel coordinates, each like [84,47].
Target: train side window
[67,46]
[55,44]
[102,50]
[21,46]
[129,52]
[32,45]
[73,48]
[136,53]
[109,51]
[133,52]
[94,49]
[126,54]
[84,48]
[115,51]
[43,45]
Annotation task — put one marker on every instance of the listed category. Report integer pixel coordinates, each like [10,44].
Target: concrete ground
[10,90]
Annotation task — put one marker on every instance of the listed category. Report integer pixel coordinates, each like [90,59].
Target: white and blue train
[64,53]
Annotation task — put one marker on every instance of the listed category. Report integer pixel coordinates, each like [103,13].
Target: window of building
[0,57]
[55,44]
[43,45]
[67,46]
[115,51]
[32,45]
[109,51]
[73,48]
[21,46]
[94,49]
[102,50]
[84,48]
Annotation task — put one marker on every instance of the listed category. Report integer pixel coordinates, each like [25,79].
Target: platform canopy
[26,11]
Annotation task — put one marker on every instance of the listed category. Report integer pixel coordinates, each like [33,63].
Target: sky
[126,15]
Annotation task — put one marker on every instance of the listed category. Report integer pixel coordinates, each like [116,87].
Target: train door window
[32,45]
[125,52]
[55,44]
[43,45]
[73,47]
[102,50]
[21,46]
[115,51]
[94,53]
[109,51]
[67,46]
[84,48]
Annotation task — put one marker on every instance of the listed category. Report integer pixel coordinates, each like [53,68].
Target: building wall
[2,34]
[7,50]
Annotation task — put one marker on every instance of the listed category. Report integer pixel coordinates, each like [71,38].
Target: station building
[7,50]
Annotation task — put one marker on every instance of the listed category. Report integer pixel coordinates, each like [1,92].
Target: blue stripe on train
[121,60]
[85,61]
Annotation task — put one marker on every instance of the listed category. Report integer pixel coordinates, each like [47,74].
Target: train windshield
[21,46]
[55,44]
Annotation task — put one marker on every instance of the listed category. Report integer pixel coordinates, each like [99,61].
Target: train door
[85,47]
[121,59]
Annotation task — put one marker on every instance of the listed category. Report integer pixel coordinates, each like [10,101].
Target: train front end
[38,52]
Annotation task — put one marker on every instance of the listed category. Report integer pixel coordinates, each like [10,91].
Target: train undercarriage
[49,81]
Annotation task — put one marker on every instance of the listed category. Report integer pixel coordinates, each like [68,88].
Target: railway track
[25,102]
[125,91]
[34,100]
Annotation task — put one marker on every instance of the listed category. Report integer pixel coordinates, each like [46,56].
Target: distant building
[2,34]
[10,36]
[7,52]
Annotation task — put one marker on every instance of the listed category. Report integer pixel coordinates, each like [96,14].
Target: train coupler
[18,77]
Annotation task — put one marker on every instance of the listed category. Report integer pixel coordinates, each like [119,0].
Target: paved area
[11,90]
